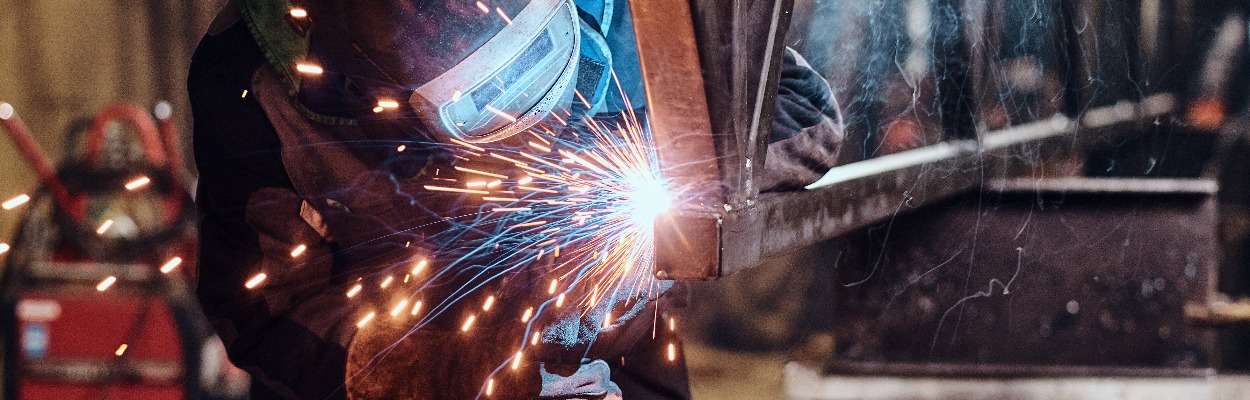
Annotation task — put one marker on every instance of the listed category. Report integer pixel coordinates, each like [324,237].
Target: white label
[38,310]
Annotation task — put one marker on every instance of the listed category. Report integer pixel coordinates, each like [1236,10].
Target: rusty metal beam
[678,107]
[857,195]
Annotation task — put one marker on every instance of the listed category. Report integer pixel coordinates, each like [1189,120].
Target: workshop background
[747,334]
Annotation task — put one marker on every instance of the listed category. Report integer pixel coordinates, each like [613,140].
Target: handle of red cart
[39,161]
[149,136]
[139,119]
[173,148]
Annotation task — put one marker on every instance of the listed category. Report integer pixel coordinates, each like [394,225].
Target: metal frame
[710,69]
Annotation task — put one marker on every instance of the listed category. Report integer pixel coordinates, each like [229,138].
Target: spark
[4,248]
[401,148]
[16,201]
[298,250]
[121,350]
[387,282]
[529,224]
[447,189]
[577,208]
[490,386]
[244,95]
[672,324]
[548,163]
[582,98]
[309,69]
[106,283]
[482,6]
[506,158]
[672,352]
[388,104]
[6,111]
[500,113]
[479,172]
[299,13]
[378,109]
[255,281]
[513,209]
[355,290]
[534,189]
[503,15]
[138,183]
[403,304]
[516,360]
[562,121]
[104,227]
[171,264]
[365,321]
[466,144]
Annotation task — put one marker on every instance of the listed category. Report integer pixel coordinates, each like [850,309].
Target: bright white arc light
[648,199]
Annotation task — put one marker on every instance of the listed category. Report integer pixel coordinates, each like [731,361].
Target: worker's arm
[291,330]
[807,131]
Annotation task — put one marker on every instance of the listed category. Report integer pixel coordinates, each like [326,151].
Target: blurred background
[890,65]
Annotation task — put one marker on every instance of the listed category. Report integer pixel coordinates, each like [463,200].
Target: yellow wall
[62,59]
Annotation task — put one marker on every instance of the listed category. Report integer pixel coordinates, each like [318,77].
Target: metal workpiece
[677,106]
[1035,278]
[857,195]
[687,246]
[711,71]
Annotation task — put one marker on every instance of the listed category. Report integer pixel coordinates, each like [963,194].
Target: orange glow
[106,283]
[104,227]
[364,321]
[309,69]
[138,183]
[399,308]
[171,264]
[16,201]
[298,250]
[255,281]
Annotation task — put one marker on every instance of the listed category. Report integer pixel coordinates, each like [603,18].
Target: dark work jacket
[271,180]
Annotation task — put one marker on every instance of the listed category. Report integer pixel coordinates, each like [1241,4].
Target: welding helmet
[475,71]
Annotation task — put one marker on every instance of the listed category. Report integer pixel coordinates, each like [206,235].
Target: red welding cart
[97,288]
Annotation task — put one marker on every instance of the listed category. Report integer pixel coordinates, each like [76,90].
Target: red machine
[96,290]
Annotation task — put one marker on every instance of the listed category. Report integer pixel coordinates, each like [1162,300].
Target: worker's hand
[807,128]
[591,380]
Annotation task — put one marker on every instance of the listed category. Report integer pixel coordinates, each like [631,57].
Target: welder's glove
[807,131]
[590,381]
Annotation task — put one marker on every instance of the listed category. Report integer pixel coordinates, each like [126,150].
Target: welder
[298,110]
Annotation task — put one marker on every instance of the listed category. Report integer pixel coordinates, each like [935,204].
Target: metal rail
[696,246]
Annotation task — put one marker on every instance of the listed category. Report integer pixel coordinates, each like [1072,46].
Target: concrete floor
[717,374]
